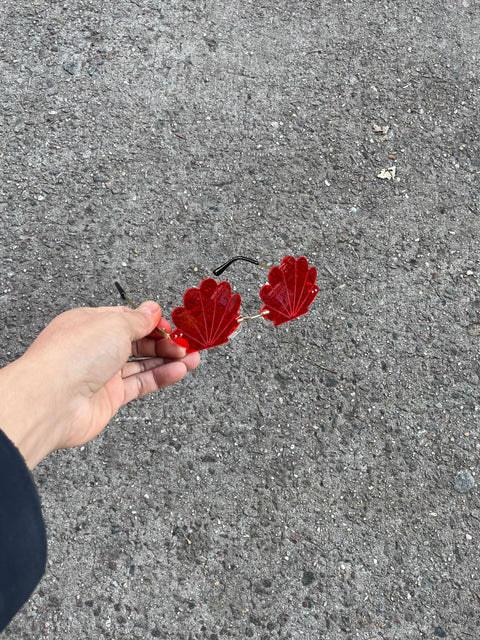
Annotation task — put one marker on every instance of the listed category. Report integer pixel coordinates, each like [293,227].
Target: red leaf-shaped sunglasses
[210,313]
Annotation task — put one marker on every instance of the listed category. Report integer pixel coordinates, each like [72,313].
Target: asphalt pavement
[312,481]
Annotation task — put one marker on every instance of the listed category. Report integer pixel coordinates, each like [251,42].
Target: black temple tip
[219,270]
[120,290]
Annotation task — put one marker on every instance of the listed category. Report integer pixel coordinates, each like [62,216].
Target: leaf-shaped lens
[209,315]
[291,290]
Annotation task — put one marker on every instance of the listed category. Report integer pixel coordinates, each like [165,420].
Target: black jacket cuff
[23,541]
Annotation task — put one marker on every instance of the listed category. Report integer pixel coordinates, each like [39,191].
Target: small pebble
[464,481]
[69,67]
[307,578]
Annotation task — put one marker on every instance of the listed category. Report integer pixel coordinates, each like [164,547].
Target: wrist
[22,411]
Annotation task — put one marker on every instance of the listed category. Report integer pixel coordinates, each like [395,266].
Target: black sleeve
[23,542]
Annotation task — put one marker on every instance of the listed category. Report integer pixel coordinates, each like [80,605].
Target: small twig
[327,268]
[320,366]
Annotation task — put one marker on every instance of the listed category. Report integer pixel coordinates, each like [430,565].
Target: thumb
[144,319]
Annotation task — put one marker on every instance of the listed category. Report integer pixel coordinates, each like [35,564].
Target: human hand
[76,375]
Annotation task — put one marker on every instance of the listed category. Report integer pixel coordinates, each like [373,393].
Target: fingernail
[148,307]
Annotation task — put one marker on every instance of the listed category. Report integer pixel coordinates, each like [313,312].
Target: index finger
[157,347]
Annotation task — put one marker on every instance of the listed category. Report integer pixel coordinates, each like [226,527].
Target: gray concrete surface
[263,497]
